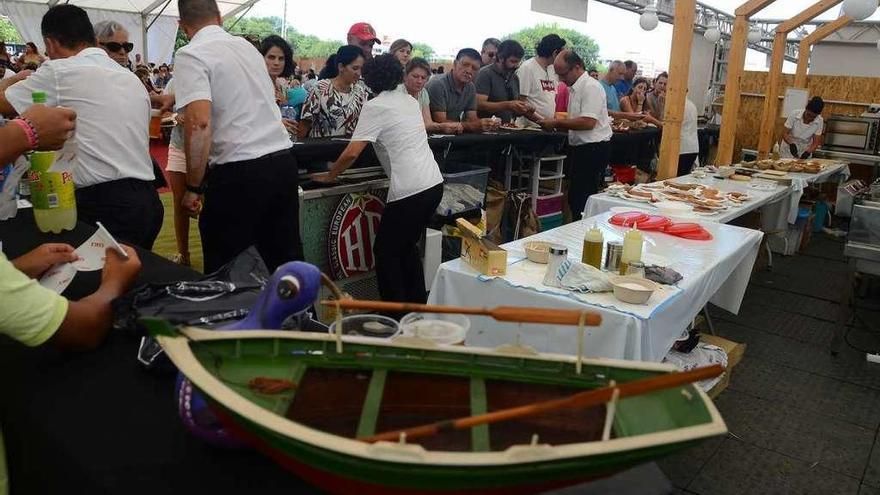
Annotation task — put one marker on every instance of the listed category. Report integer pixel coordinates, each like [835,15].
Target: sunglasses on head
[115,47]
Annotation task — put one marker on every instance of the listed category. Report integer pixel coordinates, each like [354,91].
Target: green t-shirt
[29,312]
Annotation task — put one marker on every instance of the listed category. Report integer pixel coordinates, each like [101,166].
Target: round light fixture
[859,9]
[649,20]
[755,34]
[712,34]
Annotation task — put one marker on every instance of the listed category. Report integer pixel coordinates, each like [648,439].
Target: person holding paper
[35,315]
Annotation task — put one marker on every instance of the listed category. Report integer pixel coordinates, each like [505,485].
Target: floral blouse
[332,112]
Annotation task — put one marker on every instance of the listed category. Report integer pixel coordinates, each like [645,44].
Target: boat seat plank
[479,434]
[372,404]
[297,371]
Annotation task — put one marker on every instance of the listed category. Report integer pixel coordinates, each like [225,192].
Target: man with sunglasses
[113,38]
[112,170]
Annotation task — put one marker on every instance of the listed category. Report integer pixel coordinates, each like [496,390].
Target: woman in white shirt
[392,121]
[803,130]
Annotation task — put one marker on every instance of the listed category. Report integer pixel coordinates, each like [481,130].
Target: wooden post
[736,60]
[676,90]
[735,65]
[768,117]
[822,32]
[771,103]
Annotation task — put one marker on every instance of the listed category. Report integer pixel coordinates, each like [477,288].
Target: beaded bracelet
[30,131]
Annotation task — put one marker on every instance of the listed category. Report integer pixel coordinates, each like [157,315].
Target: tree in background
[304,45]
[423,50]
[582,44]
[8,33]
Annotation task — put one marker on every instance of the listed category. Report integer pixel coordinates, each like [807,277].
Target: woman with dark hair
[279,62]
[392,122]
[415,78]
[636,101]
[31,55]
[402,51]
[803,130]
[333,106]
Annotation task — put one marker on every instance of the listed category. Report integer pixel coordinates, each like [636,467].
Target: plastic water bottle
[51,182]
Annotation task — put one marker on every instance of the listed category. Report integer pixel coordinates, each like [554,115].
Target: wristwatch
[196,189]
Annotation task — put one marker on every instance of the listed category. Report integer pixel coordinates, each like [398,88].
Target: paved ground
[800,420]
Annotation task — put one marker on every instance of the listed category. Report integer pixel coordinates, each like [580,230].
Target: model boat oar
[501,313]
[581,400]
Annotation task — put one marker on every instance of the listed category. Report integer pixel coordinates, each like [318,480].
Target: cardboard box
[735,352]
[479,252]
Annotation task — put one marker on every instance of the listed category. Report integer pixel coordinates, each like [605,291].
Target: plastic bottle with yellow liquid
[632,248]
[53,193]
[593,242]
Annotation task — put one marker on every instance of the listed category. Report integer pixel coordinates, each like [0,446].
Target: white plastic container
[442,329]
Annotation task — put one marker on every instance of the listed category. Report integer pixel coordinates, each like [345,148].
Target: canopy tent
[151,24]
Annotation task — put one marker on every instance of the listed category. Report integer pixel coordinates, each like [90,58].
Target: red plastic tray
[682,228]
[654,222]
[628,218]
[704,235]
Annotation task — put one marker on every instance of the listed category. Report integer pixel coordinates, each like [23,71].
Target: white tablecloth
[716,270]
[800,181]
[600,203]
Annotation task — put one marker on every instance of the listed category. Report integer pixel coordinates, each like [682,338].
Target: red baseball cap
[364,31]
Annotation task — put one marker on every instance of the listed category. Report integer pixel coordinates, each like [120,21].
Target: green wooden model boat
[358,386]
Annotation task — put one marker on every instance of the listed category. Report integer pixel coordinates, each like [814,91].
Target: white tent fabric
[133,14]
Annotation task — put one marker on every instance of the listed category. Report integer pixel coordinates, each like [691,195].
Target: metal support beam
[823,31]
[241,8]
[676,92]
[769,117]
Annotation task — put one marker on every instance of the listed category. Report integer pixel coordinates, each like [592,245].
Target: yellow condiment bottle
[632,248]
[593,242]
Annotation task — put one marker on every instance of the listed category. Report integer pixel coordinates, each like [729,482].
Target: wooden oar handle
[549,316]
[580,400]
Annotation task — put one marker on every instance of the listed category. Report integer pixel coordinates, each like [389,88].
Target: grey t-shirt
[498,86]
[445,97]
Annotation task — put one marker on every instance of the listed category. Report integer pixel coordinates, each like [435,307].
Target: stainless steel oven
[852,134]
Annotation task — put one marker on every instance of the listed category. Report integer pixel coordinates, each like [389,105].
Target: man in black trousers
[238,154]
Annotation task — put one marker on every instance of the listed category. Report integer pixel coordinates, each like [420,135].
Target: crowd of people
[230,163]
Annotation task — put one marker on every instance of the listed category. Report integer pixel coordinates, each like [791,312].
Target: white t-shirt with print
[539,86]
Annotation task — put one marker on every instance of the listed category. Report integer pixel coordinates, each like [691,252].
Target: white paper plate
[637,199]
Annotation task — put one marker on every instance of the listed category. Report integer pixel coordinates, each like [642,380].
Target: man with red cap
[363,36]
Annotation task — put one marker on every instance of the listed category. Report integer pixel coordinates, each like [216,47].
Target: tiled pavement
[800,420]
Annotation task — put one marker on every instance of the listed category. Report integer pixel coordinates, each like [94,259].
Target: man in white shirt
[237,150]
[113,172]
[803,130]
[589,130]
[538,80]
[689,147]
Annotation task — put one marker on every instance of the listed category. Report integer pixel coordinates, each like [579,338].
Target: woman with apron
[803,131]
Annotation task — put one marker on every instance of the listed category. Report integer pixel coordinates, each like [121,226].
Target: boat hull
[340,474]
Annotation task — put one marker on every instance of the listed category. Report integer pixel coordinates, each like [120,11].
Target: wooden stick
[501,313]
[579,400]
